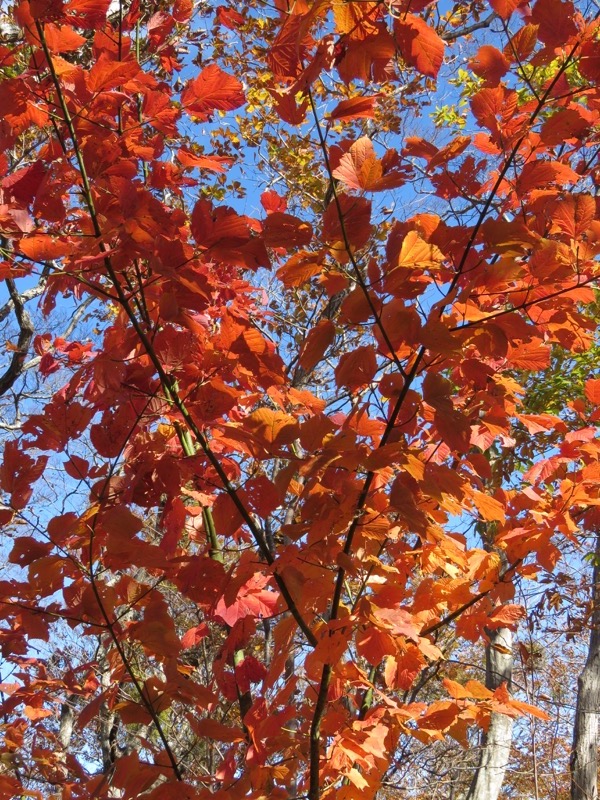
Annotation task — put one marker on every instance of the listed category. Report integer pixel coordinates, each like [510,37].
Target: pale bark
[497,741]
[584,755]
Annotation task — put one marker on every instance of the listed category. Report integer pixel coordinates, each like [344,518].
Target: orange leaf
[212,90]
[507,615]
[504,8]
[538,173]
[592,390]
[529,355]
[489,63]
[211,729]
[354,108]
[299,269]
[360,168]
[33,713]
[490,509]
[271,427]
[356,369]
[107,74]
[522,44]
[456,690]
[318,340]
[416,253]
[574,214]
[526,708]
[212,163]
[420,46]
[478,691]
[62,38]
[285,230]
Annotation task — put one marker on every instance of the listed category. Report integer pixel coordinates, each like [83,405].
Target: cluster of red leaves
[189,407]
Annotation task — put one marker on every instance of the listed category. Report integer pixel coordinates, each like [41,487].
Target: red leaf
[318,340]
[24,183]
[357,368]
[356,216]
[592,390]
[212,90]
[77,467]
[87,13]
[252,600]
[538,173]
[271,201]
[504,8]
[420,46]
[354,108]
[567,123]
[18,473]
[556,20]
[107,74]
[489,63]
[285,230]
[194,636]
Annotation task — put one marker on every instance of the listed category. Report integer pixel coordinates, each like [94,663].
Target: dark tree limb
[26,330]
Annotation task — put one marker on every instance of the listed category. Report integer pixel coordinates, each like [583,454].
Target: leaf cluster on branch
[299,466]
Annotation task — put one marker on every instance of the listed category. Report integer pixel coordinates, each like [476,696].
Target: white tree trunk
[584,755]
[497,741]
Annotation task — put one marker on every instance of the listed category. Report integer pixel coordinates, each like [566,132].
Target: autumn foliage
[244,489]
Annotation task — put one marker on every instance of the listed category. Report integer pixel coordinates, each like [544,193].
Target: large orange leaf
[285,230]
[357,368]
[347,218]
[360,168]
[107,74]
[318,340]
[504,8]
[420,46]
[272,428]
[538,173]
[212,90]
[354,108]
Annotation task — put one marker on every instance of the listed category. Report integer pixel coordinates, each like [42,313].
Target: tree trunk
[584,755]
[497,741]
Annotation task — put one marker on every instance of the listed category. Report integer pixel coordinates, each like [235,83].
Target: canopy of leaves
[241,485]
